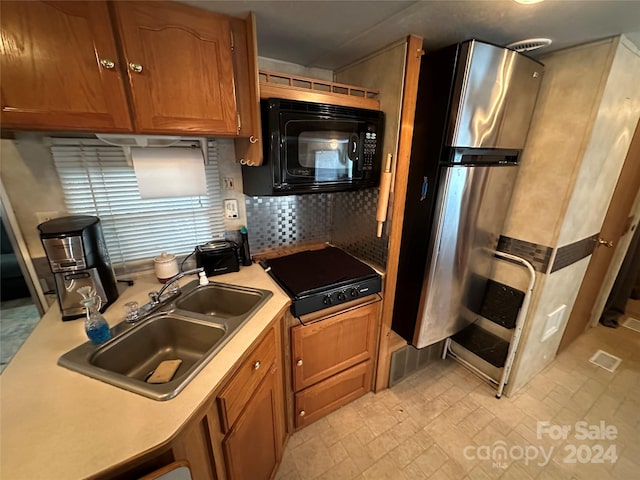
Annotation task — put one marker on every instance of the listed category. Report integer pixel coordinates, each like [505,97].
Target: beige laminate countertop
[59,424]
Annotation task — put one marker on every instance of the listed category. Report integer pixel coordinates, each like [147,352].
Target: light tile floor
[443,422]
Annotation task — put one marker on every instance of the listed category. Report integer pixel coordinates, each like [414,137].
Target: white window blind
[96,180]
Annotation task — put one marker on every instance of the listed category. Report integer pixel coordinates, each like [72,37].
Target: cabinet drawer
[238,391]
[317,401]
[331,345]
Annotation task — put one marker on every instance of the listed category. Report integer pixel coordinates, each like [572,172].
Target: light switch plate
[228,183]
[231,208]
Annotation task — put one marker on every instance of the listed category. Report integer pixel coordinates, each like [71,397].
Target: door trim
[21,252]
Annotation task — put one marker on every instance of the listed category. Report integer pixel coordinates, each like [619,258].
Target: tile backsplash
[345,219]
[354,230]
[277,222]
[574,252]
[538,255]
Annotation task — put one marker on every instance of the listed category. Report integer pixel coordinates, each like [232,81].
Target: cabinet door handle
[135,67]
[107,63]
[256,365]
[299,363]
[302,413]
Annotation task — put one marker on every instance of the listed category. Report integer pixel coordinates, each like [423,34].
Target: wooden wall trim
[407,116]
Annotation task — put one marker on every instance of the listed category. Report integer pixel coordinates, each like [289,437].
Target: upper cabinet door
[180,68]
[60,68]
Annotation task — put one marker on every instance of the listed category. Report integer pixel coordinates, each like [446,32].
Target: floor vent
[605,360]
[409,359]
[632,323]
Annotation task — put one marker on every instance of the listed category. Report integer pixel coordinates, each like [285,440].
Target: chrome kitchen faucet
[156,297]
[135,313]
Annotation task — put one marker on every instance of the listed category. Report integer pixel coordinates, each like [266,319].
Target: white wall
[582,128]
[607,147]
[279,66]
[568,100]
[32,185]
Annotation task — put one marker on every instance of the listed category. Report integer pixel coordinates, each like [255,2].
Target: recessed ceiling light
[528,2]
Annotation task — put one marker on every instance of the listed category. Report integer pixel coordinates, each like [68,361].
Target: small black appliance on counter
[318,279]
[218,257]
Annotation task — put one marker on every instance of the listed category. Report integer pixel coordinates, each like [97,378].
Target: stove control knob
[342,296]
[327,300]
[354,292]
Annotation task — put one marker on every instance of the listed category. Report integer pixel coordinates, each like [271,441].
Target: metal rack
[496,353]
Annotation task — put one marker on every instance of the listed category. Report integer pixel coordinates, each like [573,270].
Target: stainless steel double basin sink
[192,328]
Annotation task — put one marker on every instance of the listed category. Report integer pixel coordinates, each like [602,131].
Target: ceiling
[331,34]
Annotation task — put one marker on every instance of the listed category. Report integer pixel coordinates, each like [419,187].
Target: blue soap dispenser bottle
[95,325]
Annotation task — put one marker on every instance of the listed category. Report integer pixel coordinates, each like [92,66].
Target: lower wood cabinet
[252,448]
[330,345]
[239,433]
[251,413]
[332,359]
[315,402]
[194,446]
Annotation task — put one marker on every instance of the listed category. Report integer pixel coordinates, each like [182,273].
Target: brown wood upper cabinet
[173,73]
[179,66]
[60,68]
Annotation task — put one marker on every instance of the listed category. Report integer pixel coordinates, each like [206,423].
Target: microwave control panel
[368,150]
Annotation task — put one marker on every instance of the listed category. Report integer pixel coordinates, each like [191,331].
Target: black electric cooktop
[317,279]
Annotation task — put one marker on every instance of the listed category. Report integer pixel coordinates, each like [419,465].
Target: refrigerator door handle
[425,187]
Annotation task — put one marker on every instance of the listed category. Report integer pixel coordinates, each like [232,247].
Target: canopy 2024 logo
[500,454]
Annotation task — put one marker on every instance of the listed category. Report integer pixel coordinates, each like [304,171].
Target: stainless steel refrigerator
[474,108]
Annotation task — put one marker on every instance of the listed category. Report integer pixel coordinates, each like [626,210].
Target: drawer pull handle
[135,67]
[256,365]
[107,63]
[299,363]
[302,413]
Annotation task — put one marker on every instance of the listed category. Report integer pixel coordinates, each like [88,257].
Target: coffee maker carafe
[78,257]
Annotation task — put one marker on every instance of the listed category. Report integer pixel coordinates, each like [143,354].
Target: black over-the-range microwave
[315,147]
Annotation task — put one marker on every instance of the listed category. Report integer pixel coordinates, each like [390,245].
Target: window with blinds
[97,180]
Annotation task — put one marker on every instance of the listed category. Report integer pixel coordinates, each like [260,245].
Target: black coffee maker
[78,257]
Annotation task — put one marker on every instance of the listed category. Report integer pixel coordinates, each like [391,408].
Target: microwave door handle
[354,141]
[360,154]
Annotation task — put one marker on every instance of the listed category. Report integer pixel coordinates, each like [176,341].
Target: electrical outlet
[231,208]
[50,215]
